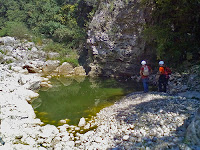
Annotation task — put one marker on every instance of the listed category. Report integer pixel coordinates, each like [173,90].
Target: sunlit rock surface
[115,39]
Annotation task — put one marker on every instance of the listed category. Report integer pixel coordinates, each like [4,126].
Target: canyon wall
[115,43]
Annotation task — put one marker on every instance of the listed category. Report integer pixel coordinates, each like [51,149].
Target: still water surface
[72,98]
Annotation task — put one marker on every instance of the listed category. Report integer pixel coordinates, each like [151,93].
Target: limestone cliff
[115,41]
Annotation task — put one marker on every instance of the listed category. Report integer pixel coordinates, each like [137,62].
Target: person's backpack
[145,71]
[167,72]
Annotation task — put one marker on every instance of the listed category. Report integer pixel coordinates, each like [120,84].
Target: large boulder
[115,41]
[65,69]
[49,66]
[79,71]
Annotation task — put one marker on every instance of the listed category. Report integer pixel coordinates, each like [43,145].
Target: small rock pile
[26,57]
[186,81]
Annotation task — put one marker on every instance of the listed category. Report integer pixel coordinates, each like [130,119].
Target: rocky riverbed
[139,121]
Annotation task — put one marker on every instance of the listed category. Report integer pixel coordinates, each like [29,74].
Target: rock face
[193,130]
[115,40]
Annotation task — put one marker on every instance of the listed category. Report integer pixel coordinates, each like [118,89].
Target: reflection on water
[72,98]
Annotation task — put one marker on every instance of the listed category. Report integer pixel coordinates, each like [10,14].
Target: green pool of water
[72,98]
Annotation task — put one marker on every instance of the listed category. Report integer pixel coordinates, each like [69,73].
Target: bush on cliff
[173,27]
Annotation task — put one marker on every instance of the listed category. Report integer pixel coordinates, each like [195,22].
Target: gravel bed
[143,121]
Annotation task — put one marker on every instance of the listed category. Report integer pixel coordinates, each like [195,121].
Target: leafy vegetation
[174,29]
[63,21]
[15,29]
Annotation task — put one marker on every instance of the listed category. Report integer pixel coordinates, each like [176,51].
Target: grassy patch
[15,29]
[71,60]
[38,40]
[2,52]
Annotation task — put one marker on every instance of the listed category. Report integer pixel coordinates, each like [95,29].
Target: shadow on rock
[155,121]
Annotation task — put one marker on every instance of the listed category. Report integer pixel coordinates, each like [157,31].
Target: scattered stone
[125,138]
[31,69]
[98,139]
[34,86]
[63,121]
[82,122]
[1,141]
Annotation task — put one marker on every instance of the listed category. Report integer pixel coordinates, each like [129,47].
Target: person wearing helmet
[162,81]
[145,70]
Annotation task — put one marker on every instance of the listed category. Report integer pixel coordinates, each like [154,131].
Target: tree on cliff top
[174,28]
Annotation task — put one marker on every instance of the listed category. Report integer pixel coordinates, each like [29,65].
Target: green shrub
[49,27]
[71,60]
[3,32]
[16,29]
[37,40]
[2,52]
[173,30]
[63,34]
[67,35]
[54,47]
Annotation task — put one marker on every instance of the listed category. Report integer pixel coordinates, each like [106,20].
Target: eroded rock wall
[115,41]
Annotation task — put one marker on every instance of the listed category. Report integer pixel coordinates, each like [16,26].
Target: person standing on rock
[162,80]
[145,70]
